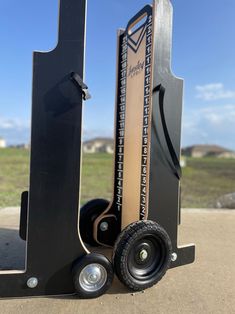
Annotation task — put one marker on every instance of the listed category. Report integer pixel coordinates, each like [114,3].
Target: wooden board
[131,169]
[136,142]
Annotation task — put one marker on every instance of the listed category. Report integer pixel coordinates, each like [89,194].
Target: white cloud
[207,125]
[13,124]
[210,125]
[219,116]
[214,91]
[15,130]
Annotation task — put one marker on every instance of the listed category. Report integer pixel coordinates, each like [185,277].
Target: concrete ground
[207,286]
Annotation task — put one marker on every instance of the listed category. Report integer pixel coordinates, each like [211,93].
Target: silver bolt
[32,282]
[174,257]
[93,278]
[143,255]
[104,226]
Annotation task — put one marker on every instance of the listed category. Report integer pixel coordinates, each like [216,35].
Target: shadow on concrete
[116,289]
[12,250]
[12,257]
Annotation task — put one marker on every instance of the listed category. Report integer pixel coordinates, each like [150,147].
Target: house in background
[199,151]
[2,143]
[99,145]
[20,146]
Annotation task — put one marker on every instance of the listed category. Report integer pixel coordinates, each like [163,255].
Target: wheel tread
[124,241]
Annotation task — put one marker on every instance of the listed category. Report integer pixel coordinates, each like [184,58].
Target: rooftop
[207,148]
[105,140]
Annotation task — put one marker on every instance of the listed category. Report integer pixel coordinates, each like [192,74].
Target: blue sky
[203,54]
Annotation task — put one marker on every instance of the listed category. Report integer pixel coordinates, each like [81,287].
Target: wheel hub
[145,258]
[93,277]
[143,255]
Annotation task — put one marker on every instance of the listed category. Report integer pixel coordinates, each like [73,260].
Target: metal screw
[174,257]
[93,278]
[143,255]
[32,282]
[104,226]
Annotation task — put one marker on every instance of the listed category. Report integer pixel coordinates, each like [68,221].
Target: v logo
[135,39]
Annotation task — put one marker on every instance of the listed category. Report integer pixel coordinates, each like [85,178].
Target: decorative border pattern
[146,117]
[120,126]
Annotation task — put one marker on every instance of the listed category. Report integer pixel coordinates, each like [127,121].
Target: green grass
[204,179]
[14,175]
[97,177]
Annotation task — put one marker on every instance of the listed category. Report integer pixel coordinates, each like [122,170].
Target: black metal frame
[53,241]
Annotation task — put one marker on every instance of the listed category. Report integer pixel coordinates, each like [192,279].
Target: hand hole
[137,24]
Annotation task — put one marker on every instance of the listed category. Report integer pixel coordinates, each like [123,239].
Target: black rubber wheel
[142,255]
[88,214]
[92,276]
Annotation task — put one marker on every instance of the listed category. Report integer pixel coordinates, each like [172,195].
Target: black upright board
[53,242]
[148,131]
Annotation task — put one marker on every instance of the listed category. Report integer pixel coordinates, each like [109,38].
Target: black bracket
[76,78]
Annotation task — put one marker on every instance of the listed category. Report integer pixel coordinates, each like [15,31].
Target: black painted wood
[53,243]
[164,187]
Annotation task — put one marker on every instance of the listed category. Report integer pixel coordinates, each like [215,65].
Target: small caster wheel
[92,276]
[88,214]
[142,255]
